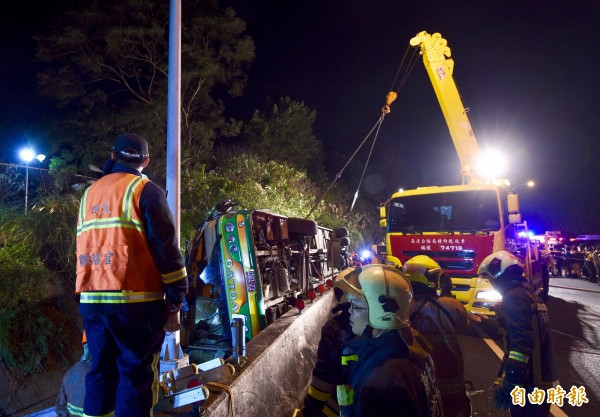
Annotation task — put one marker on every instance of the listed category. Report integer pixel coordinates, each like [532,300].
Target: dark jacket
[394,376]
[328,372]
[525,319]
[440,320]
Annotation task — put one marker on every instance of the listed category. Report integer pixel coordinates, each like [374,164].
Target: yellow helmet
[339,288]
[386,290]
[422,268]
[501,265]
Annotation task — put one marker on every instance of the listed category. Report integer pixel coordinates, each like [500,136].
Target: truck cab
[458,226]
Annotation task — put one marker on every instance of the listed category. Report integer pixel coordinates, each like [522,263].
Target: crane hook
[390,97]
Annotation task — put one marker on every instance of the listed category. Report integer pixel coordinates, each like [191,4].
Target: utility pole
[174,115]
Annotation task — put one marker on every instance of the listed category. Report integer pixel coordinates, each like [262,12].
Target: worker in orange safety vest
[130,273]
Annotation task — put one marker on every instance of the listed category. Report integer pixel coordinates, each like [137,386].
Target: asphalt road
[574,309]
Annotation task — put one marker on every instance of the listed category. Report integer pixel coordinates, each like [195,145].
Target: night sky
[527,70]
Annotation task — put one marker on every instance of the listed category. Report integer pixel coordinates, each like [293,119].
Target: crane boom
[440,66]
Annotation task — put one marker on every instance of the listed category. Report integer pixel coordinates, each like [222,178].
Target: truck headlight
[488,296]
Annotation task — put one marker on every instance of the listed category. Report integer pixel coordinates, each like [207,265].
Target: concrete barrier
[280,361]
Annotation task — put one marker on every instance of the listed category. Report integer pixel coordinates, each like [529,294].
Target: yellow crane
[458,225]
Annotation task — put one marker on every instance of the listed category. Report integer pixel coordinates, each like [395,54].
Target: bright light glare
[365,254]
[27,154]
[40,157]
[491,164]
[531,183]
[489,296]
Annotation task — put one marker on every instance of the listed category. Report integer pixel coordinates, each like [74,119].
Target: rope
[339,174]
[227,389]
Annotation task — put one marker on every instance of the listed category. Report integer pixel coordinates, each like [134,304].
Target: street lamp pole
[26,183]
[28,155]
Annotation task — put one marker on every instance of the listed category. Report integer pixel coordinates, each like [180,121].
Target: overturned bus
[246,269]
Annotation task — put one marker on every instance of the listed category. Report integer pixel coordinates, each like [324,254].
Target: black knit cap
[131,147]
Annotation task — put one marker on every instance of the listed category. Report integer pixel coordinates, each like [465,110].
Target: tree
[285,134]
[107,64]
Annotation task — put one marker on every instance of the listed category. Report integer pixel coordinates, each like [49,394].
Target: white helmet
[501,265]
[386,290]
[422,268]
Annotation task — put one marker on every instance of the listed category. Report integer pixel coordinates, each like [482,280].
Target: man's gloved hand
[172,322]
[501,393]
[515,374]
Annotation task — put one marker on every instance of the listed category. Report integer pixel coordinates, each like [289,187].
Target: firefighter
[328,372]
[588,265]
[440,320]
[596,261]
[128,260]
[529,361]
[391,370]
[69,401]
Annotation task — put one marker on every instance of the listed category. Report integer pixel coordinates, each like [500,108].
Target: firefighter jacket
[391,375]
[440,320]
[329,372]
[527,335]
[127,251]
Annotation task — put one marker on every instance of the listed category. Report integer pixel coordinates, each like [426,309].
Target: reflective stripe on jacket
[112,252]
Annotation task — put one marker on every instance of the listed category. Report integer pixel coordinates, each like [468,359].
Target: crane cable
[339,174]
[379,122]
[390,97]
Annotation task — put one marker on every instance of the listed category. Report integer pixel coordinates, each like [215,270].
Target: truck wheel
[302,226]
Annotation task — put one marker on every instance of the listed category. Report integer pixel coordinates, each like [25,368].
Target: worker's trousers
[125,349]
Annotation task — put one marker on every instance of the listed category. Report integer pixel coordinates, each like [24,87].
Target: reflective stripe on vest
[112,251]
[124,220]
[93,297]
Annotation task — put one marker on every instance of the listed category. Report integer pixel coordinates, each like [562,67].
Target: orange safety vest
[114,263]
